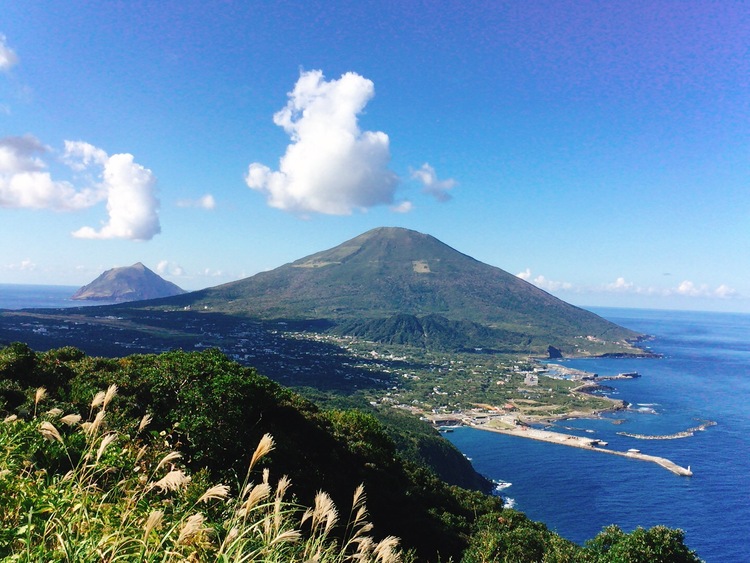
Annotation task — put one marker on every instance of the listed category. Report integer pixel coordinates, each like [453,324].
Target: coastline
[513,425]
[591,444]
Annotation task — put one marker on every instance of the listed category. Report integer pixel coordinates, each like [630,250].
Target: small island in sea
[131,283]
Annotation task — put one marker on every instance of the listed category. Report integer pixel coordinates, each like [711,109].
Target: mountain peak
[392,278]
[131,283]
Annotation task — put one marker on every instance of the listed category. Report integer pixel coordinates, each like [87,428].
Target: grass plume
[134,503]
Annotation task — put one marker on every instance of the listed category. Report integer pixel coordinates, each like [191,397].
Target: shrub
[73,490]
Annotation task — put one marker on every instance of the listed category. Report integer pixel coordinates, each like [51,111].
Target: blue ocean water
[16,296]
[704,374]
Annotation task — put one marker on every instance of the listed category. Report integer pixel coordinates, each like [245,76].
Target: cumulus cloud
[26,183]
[725,292]
[432,185]
[620,285]
[8,58]
[331,166]
[691,289]
[543,283]
[205,202]
[128,187]
[80,155]
[167,268]
[132,205]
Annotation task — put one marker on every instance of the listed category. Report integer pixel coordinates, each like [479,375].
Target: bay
[704,375]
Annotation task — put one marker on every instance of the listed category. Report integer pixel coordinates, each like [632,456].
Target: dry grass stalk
[91,428]
[39,396]
[48,430]
[154,519]
[259,492]
[54,413]
[386,550]
[145,421]
[106,441]
[265,445]
[109,395]
[193,525]
[289,536]
[71,419]
[171,456]
[172,481]
[281,488]
[98,400]
[10,418]
[215,492]
[325,511]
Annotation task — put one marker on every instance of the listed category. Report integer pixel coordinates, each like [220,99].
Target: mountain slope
[132,283]
[414,282]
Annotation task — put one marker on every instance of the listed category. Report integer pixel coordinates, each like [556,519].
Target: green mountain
[132,283]
[395,285]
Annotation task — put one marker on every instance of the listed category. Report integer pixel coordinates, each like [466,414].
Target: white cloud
[25,183]
[167,268]
[80,155]
[132,205]
[620,285]
[331,166]
[725,292]
[525,275]
[128,187]
[689,288]
[23,266]
[8,58]
[543,283]
[402,207]
[436,188]
[205,202]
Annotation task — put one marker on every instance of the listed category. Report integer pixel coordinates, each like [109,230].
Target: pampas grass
[123,498]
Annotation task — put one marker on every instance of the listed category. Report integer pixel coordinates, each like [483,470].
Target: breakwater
[684,434]
[591,444]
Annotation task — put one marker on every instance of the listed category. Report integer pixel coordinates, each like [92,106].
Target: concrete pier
[591,444]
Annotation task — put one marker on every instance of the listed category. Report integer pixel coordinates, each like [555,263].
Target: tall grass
[80,491]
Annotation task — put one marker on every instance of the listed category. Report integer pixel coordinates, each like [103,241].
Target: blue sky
[599,150]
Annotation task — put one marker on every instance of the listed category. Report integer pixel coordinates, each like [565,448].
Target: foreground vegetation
[124,501]
[171,463]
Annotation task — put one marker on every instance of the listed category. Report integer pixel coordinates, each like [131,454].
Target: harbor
[591,444]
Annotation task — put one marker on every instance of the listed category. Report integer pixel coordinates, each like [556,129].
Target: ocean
[17,296]
[704,375]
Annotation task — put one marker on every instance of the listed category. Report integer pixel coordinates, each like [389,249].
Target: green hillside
[94,476]
[417,290]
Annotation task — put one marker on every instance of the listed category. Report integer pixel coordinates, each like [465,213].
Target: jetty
[591,444]
[684,434]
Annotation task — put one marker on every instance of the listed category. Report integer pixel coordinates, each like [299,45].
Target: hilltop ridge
[397,285]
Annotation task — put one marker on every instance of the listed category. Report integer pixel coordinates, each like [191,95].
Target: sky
[599,150]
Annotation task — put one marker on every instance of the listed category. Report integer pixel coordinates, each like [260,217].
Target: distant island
[131,283]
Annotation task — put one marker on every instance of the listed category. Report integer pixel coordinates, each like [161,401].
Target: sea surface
[704,375]
[16,296]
